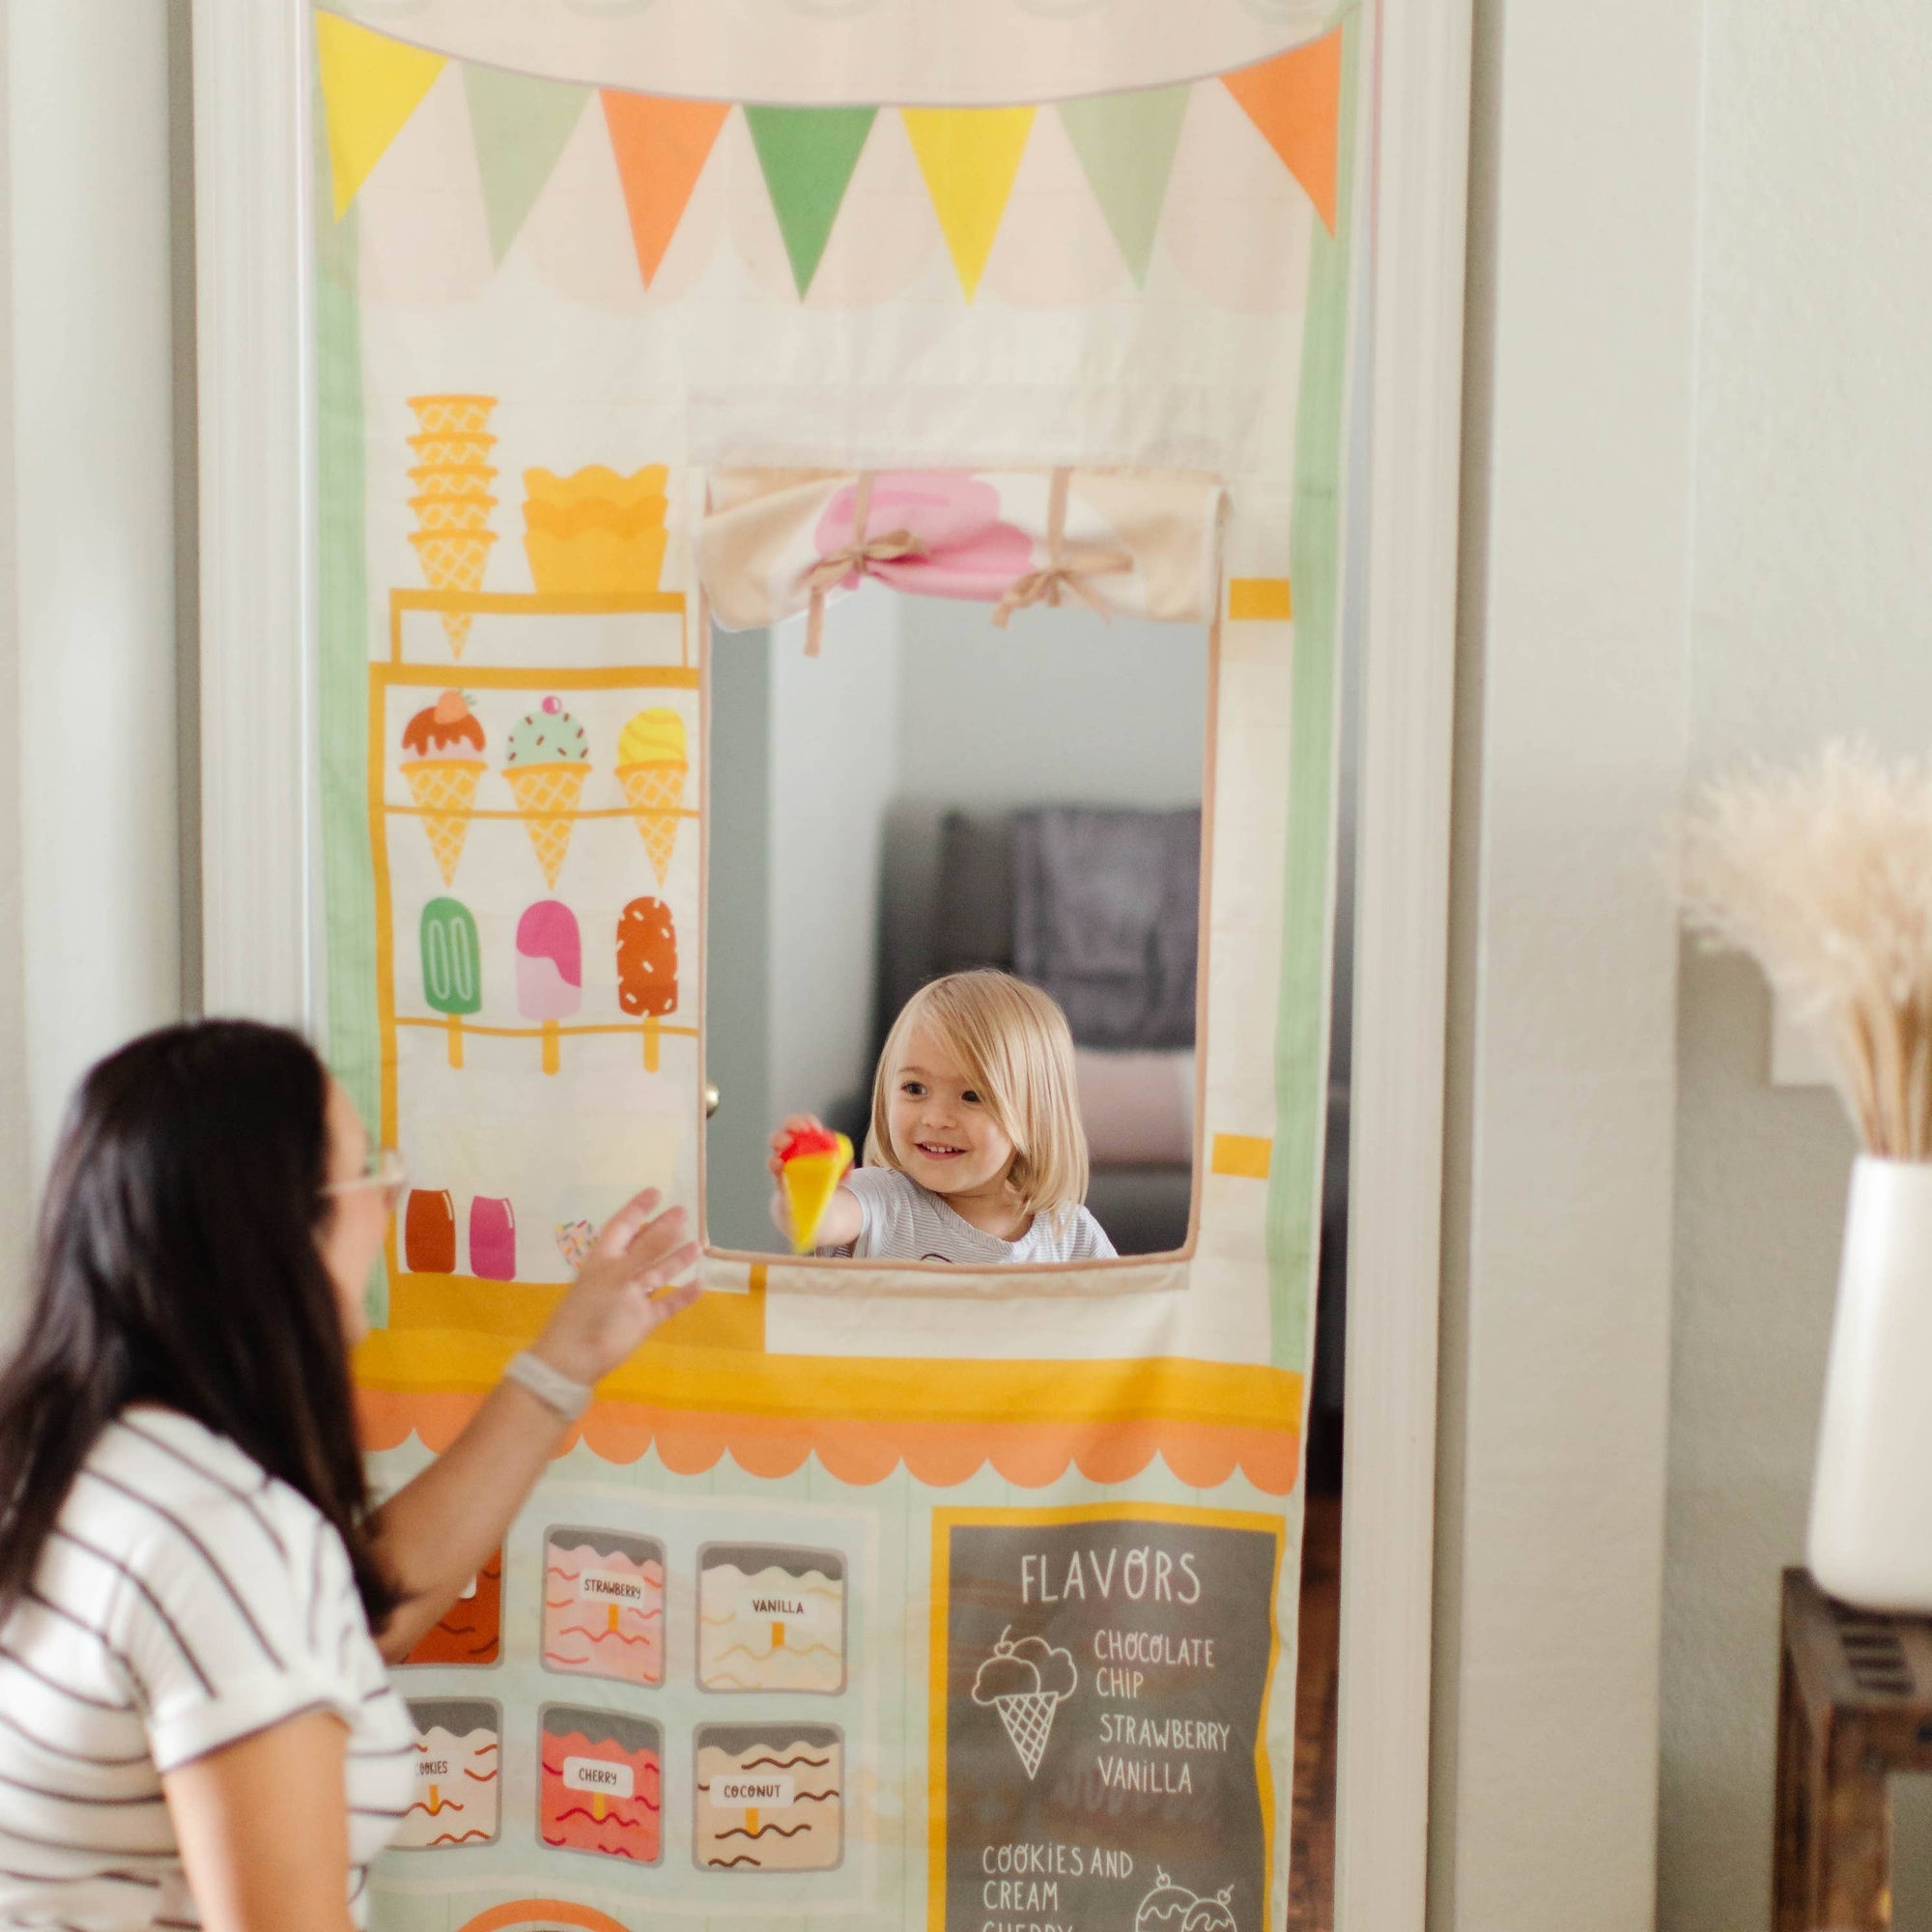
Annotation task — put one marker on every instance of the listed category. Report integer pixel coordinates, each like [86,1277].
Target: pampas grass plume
[1823,873]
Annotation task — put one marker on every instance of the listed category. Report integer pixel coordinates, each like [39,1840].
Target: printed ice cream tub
[458,1754]
[604,1605]
[770,1617]
[770,1798]
[602,1788]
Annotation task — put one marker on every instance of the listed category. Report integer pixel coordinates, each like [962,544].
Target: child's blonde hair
[1018,1050]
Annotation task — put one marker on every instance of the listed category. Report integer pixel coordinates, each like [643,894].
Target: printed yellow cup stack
[593,533]
[453,503]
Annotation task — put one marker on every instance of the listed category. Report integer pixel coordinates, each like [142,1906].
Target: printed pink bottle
[493,1239]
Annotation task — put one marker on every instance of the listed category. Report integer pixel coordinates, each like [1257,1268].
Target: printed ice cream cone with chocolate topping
[442,760]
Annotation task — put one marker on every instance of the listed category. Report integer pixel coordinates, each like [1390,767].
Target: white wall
[1572,689]
[89,624]
[836,759]
[1810,617]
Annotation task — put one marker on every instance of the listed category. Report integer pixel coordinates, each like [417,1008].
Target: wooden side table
[1854,1705]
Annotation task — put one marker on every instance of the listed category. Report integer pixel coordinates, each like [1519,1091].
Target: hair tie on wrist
[551,1386]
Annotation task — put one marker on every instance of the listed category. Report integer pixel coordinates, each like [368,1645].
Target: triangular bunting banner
[521,126]
[661,148]
[1126,144]
[370,87]
[1295,101]
[969,157]
[807,154]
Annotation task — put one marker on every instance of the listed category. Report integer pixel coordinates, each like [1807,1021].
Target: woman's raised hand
[622,1291]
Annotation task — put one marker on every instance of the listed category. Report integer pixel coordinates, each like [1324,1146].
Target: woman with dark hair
[196,1597]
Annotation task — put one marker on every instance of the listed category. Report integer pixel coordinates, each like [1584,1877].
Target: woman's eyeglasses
[385,1169]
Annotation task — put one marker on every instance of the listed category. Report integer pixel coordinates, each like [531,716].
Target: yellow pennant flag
[969,157]
[370,87]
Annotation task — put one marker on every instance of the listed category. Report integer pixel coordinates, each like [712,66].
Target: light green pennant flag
[807,154]
[1126,144]
[520,126]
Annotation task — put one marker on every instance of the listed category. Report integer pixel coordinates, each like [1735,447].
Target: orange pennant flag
[1295,101]
[661,147]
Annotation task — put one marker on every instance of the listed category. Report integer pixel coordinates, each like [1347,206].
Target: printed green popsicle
[452,966]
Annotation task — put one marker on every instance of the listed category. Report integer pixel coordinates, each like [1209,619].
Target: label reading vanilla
[596,1774]
[611,1586]
[750,1792]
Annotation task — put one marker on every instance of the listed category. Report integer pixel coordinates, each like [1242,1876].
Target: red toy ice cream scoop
[815,1161]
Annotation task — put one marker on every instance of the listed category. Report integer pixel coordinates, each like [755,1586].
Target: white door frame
[254,138]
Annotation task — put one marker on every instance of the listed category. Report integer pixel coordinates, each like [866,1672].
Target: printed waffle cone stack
[453,503]
[546,797]
[655,793]
[445,792]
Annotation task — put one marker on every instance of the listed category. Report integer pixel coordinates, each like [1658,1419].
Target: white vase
[1870,1540]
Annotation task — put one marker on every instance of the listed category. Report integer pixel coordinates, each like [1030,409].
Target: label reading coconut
[596,1774]
[751,1794]
[609,1586]
[1107,1679]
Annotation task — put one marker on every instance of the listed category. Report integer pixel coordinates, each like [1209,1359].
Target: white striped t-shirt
[902,1220]
[185,1600]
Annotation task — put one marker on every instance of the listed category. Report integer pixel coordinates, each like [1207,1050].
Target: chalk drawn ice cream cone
[548,761]
[453,503]
[653,763]
[1025,1683]
[443,763]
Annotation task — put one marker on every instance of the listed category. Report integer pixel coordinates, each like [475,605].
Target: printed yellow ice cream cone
[445,791]
[453,513]
[461,415]
[653,764]
[453,560]
[546,765]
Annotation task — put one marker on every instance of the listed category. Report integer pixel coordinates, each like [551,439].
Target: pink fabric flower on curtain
[969,553]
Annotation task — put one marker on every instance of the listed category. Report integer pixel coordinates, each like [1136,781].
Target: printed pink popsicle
[550,970]
[493,1238]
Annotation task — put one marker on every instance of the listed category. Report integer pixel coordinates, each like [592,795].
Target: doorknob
[712,1099]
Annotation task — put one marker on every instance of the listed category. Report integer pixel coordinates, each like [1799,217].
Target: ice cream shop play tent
[867,1595]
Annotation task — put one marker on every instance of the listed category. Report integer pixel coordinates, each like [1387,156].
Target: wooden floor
[1311,1872]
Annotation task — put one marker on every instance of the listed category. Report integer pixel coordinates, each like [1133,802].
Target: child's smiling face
[944,1135]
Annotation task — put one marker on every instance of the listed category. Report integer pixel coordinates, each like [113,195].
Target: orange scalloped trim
[941,1454]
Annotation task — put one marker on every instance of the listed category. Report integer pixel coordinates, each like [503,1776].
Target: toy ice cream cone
[653,764]
[442,747]
[815,1162]
[546,764]
[1028,1717]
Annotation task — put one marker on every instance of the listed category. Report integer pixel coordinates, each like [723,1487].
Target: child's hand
[796,1124]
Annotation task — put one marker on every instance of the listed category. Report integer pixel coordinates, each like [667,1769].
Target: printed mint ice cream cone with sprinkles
[546,764]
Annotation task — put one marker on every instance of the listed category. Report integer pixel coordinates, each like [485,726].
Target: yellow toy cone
[811,1174]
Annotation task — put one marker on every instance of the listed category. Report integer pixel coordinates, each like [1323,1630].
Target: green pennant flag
[520,126]
[1126,144]
[807,154]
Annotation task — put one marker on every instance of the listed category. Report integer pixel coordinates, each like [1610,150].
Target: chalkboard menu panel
[1100,1677]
